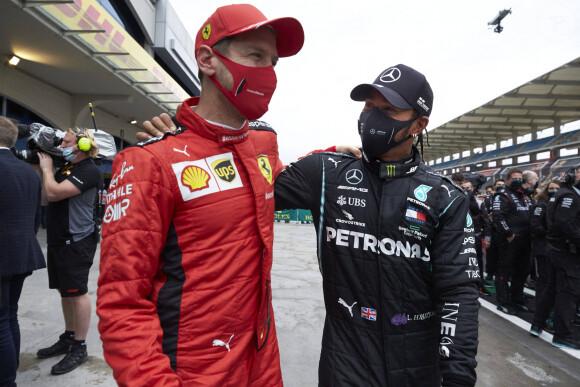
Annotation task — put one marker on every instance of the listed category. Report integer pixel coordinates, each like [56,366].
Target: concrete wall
[60,109]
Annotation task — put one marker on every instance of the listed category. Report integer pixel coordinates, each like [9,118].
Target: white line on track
[525,325]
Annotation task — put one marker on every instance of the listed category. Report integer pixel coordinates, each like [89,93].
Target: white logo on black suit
[354,176]
[391,75]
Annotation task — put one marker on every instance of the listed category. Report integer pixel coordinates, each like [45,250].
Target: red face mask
[253,87]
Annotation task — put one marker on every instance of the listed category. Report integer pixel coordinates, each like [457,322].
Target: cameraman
[72,194]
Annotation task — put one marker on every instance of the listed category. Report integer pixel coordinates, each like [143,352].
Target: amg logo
[387,246]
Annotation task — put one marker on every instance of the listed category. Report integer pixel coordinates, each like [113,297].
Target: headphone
[570,176]
[83,141]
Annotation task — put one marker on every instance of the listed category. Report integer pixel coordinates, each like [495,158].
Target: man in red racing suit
[195,294]
[184,294]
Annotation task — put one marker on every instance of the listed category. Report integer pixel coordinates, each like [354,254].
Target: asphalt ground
[507,354]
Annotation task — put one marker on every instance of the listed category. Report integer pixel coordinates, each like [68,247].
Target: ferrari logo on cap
[265,167]
[206,32]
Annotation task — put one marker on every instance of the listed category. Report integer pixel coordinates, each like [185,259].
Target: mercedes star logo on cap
[391,75]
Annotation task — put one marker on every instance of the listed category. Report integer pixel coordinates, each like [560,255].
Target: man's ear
[206,60]
[419,125]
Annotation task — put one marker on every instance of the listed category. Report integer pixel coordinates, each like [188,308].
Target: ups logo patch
[224,169]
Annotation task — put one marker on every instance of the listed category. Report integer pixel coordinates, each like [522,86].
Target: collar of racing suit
[187,117]
[394,169]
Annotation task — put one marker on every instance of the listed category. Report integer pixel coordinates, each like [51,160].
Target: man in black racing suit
[395,249]
[563,222]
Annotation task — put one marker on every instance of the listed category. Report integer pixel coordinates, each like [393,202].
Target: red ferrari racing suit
[184,289]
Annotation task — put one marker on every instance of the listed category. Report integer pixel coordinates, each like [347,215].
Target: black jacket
[563,220]
[511,213]
[20,189]
[481,221]
[539,228]
[396,252]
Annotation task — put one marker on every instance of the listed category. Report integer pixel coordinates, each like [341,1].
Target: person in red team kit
[184,294]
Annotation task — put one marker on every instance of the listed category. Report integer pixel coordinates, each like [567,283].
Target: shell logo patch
[206,176]
[194,178]
[206,31]
[265,167]
[224,170]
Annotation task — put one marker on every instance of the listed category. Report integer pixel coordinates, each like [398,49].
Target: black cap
[402,86]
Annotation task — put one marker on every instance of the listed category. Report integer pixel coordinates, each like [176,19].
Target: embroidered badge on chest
[202,177]
[265,167]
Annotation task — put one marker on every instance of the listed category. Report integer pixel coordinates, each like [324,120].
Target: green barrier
[303,216]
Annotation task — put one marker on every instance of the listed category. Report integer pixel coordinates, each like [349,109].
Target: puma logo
[184,151]
[343,303]
[219,343]
[334,161]
[448,192]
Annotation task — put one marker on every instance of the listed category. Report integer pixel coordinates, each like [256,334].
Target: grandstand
[549,102]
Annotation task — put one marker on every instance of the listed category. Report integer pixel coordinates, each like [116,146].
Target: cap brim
[289,34]
[361,92]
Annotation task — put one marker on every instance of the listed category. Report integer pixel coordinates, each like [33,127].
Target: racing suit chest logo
[265,167]
[194,178]
[224,170]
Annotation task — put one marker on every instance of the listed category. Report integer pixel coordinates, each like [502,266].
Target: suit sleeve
[538,220]
[501,206]
[455,273]
[330,149]
[37,218]
[298,184]
[136,221]
[486,222]
[566,217]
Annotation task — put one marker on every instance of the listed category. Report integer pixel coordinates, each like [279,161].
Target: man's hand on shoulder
[349,149]
[156,127]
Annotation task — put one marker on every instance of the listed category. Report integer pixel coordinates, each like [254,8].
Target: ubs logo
[224,170]
[354,176]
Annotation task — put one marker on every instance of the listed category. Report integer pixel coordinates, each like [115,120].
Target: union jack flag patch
[368,313]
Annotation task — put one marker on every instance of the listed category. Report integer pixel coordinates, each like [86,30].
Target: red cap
[237,18]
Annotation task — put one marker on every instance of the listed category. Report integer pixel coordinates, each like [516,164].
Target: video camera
[476,180]
[40,138]
[45,139]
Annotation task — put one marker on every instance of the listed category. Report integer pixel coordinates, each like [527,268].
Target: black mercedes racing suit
[511,216]
[563,221]
[396,252]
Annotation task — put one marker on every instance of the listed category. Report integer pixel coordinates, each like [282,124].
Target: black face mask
[377,131]
[551,193]
[529,190]
[516,184]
